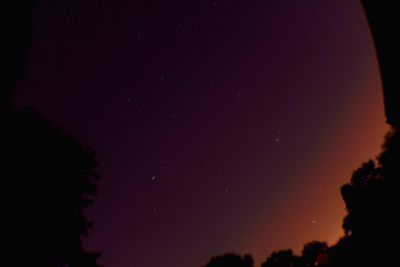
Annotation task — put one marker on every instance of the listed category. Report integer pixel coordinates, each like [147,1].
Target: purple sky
[219,125]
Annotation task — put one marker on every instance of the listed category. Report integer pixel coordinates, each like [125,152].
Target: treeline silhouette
[48,177]
[371,226]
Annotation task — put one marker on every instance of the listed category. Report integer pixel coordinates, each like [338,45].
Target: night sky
[219,126]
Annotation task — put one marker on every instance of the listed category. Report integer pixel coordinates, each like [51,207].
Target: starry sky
[219,125]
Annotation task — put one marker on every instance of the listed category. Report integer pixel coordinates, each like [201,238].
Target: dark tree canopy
[372,201]
[48,177]
[16,32]
[231,260]
[312,250]
[372,196]
[282,258]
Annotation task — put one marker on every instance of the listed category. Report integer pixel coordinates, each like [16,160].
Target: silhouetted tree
[248,260]
[50,180]
[16,32]
[389,159]
[282,258]
[372,195]
[48,177]
[372,201]
[358,198]
[312,250]
[231,260]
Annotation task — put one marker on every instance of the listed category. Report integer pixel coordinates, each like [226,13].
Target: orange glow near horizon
[357,137]
[217,128]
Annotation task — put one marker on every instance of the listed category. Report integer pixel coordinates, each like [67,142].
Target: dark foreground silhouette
[383,20]
[232,260]
[371,227]
[48,177]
